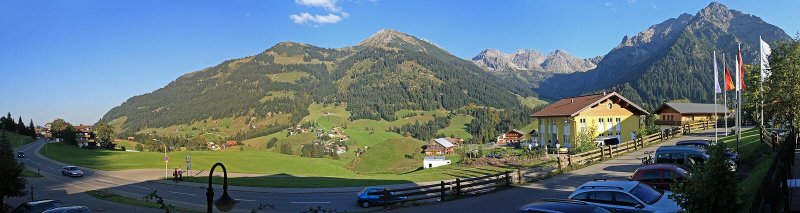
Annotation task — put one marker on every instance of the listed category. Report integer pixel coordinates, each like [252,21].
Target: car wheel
[364,204]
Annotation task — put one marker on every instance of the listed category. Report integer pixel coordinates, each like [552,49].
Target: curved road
[192,195]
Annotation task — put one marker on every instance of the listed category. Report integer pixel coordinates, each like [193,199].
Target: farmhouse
[677,114]
[434,161]
[609,114]
[511,137]
[439,146]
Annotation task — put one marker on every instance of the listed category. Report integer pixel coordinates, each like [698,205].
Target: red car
[660,176]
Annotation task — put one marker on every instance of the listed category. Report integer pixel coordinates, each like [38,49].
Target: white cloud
[303,18]
[654,6]
[329,5]
[335,13]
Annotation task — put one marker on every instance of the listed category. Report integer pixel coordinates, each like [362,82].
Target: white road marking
[104,180]
[181,193]
[141,187]
[309,202]
[246,200]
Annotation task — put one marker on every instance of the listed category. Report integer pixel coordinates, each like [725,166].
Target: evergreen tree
[11,173]
[21,129]
[32,129]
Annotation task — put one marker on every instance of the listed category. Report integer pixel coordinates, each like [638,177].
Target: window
[610,131]
[566,135]
[651,175]
[678,159]
[625,199]
[602,197]
[646,193]
[663,158]
[696,159]
[610,105]
[601,128]
[582,196]
[583,125]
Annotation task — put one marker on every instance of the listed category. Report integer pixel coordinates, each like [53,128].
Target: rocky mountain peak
[717,14]
[558,61]
[388,36]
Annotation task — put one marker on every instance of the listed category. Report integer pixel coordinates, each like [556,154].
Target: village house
[678,114]
[511,137]
[610,114]
[434,161]
[439,146]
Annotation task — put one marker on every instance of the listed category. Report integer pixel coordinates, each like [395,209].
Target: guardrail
[447,190]
[607,152]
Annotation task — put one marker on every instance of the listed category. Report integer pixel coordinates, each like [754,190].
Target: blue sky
[77,59]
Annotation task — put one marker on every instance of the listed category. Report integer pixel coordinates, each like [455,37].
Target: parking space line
[181,193]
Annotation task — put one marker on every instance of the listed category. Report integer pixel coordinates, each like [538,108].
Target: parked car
[730,153]
[70,209]
[37,206]
[373,196]
[561,206]
[21,154]
[625,196]
[660,176]
[71,171]
[685,156]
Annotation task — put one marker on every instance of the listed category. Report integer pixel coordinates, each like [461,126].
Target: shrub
[139,147]
[286,148]
[122,148]
[271,143]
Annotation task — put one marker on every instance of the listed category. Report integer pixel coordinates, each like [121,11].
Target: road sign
[166,158]
[188,159]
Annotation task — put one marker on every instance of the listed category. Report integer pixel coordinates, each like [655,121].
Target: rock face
[558,61]
[670,60]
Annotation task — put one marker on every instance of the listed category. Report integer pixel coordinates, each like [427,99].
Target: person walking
[175,175]
[180,174]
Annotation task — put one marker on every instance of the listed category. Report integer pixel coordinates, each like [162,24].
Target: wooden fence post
[569,159]
[385,195]
[508,178]
[458,187]
[442,191]
[610,152]
[558,159]
[602,153]
[519,176]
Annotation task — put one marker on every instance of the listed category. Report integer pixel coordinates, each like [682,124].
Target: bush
[271,143]
[139,147]
[709,181]
[286,148]
[122,148]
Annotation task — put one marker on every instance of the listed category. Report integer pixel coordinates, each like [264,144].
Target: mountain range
[670,60]
[391,71]
[385,73]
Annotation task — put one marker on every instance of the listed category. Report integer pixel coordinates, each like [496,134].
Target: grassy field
[18,140]
[288,77]
[457,128]
[30,174]
[393,156]
[531,101]
[754,153]
[129,145]
[108,196]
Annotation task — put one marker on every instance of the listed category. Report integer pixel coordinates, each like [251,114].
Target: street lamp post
[166,173]
[225,203]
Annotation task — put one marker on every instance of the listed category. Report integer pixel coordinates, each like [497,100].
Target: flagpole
[725,95]
[739,98]
[761,83]
[716,87]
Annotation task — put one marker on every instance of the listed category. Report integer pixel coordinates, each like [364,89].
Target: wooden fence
[773,193]
[608,152]
[447,190]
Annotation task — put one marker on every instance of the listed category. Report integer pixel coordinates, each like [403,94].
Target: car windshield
[646,193]
[72,168]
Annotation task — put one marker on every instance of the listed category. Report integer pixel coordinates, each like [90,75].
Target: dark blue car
[730,153]
[373,196]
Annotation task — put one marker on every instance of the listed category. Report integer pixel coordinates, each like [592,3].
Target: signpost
[188,165]
[166,160]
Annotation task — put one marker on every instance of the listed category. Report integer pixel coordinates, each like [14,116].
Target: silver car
[625,196]
[71,171]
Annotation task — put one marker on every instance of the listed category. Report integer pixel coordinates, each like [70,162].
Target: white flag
[765,52]
[717,89]
[736,70]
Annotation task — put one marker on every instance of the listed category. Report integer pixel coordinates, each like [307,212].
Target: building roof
[444,142]
[574,105]
[435,158]
[517,131]
[692,108]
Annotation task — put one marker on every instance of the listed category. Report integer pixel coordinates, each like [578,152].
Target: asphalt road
[62,187]
[56,186]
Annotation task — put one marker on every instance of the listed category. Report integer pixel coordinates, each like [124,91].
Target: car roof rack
[595,187]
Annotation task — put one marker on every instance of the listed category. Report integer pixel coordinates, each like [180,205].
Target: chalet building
[83,128]
[439,146]
[610,114]
[511,137]
[677,114]
[85,139]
